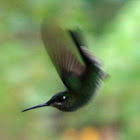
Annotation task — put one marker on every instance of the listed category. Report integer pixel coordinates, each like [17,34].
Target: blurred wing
[77,38]
[60,51]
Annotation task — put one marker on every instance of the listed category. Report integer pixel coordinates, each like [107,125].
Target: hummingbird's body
[81,80]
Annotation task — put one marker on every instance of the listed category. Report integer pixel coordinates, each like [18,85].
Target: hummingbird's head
[61,101]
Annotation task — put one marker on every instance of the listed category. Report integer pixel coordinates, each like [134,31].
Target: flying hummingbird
[80,79]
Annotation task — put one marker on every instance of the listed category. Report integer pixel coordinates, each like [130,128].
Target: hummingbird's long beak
[37,106]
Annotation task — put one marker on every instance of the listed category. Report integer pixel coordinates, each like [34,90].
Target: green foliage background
[27,76]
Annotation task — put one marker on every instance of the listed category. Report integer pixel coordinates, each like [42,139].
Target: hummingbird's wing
[61,51]
[80,43]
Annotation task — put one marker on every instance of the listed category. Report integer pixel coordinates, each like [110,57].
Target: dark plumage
[81,79]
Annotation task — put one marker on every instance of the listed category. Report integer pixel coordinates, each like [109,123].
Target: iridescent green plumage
[81,79]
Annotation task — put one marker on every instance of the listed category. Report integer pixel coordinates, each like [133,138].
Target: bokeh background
[27,76]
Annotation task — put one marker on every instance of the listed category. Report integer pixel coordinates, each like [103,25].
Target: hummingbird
[81,77]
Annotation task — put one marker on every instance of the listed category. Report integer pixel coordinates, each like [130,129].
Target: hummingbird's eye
[64,97]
